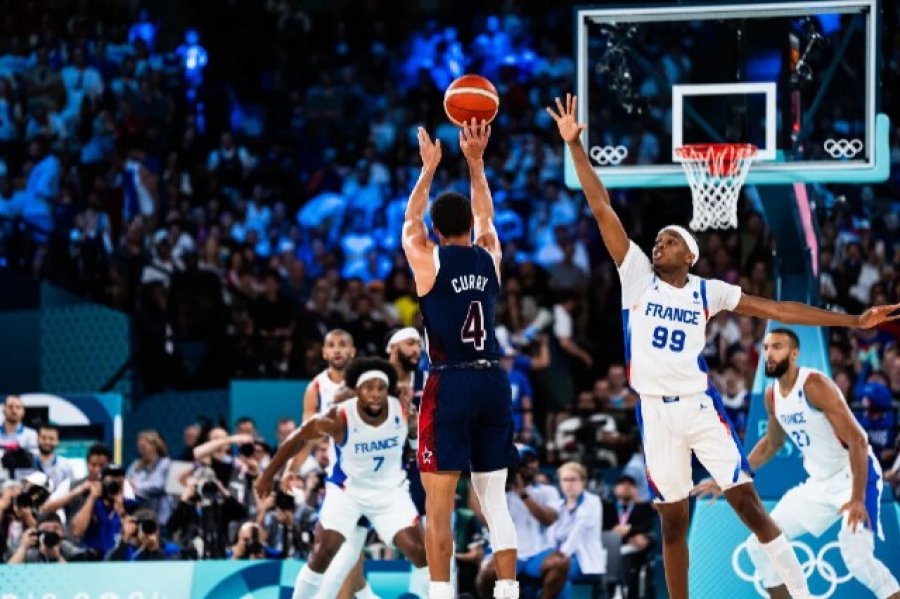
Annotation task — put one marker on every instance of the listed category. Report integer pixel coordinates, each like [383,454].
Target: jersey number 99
[675,339]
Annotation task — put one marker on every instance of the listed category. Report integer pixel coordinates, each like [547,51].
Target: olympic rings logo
[809,561]
[604,155]
[843,148]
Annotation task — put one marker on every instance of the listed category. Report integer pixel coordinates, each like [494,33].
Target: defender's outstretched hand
[569,128]
[877,315]
[473,139]
[430,151]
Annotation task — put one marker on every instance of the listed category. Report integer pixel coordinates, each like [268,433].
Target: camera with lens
[49,538]
[32,497]
[111,486]
[285,501]
[110,489]
[207,486]
[148,527]
[253,545]
[247,449]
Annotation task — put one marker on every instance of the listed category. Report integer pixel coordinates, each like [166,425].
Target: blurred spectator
[99,521]
[879,420]
[46,544]
[633,521]
[735,397]
[249,543]
[57,468]
[203,516]
[278,518]
[284,428]
[621,396]
[576,532]
[14,433]
[148,474]
[523,423]
[70,495]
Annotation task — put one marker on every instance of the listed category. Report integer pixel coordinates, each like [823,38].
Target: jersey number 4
[473,328]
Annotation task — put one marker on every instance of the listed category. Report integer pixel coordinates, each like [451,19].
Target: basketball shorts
[389,511]
[813,505]
[465,421]
[672,428]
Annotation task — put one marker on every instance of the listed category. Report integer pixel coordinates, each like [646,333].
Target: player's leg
[338,518]
[395,517]
[311,576]
[443,452]
[668,461]
[345,576]
[713,440]
[798,505]
[858,546]
[493,453]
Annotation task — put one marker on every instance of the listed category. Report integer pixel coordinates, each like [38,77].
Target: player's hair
[451,214]
[795,340]
[340,333]
[361,365]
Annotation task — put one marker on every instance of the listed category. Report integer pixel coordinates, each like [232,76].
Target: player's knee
[857,549]
[555,563]
[674,524]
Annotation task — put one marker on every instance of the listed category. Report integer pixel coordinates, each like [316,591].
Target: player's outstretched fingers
[559,107]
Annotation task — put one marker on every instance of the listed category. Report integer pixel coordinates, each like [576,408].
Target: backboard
[798,80]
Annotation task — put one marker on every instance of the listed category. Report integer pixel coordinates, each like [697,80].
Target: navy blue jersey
[459,309]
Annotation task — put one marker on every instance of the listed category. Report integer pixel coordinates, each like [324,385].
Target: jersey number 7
[473,328]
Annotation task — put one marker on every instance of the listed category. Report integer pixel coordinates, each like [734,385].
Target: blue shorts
[465,421]
[531,567]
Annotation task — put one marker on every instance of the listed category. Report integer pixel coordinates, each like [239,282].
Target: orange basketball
[471,96]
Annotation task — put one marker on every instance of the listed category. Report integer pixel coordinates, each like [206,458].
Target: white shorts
[672,428]
[812,506]
[390,511]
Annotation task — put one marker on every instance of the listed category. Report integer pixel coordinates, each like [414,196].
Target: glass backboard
[798,80]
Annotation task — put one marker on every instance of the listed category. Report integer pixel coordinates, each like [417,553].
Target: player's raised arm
[314,428]
[416,244]
[824,395]
[473,139]
[799,313]
[611,228]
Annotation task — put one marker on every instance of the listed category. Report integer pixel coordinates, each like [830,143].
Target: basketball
[471,96]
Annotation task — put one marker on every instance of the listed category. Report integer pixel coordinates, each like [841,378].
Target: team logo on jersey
[396,422]
[427,454]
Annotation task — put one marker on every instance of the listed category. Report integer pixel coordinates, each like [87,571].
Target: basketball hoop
[715,173]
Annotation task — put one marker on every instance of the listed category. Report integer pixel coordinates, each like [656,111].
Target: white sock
[366,593]
[418,582]
[506,589]
[440,590]
[784,560]
[307,584]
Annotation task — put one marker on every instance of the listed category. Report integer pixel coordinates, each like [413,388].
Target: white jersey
[665,327]
[371,457]
[824,455]
[326,390]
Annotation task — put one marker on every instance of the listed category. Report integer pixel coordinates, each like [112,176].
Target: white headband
[688,239]
[370,375]
[402,335]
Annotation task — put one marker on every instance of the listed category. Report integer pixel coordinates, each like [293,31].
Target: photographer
[46,544]
[71,494]
[249,542]
[99,521]
[278,518]
[149,545]
[202,516]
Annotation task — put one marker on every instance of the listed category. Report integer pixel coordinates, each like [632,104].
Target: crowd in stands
[240,216]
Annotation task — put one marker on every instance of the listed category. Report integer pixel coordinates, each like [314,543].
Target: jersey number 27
[473,328]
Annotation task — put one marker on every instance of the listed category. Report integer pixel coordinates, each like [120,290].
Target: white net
[715,173]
